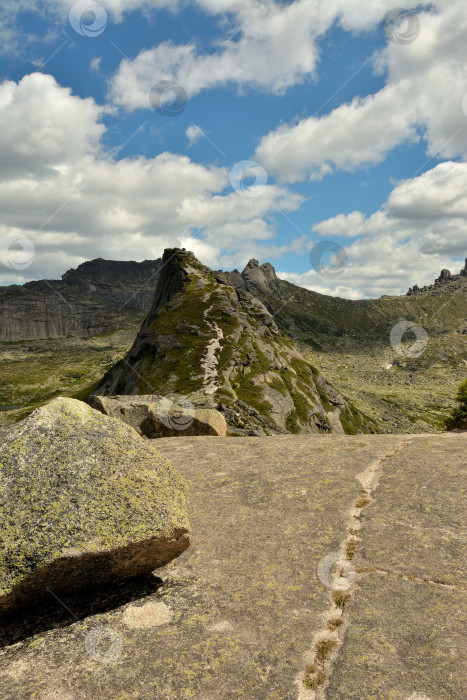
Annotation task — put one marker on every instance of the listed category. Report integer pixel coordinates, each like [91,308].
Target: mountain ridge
[97,297]
[220,346]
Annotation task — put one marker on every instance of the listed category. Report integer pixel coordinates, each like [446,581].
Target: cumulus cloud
[62,190]
[420,230]
[423,96]
[272,47]
[45,127]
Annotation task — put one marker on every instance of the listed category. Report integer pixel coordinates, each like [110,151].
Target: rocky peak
[445,277]
[255,278]
[173,275]
[218,346]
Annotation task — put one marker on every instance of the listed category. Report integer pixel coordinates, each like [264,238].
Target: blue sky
[354,119]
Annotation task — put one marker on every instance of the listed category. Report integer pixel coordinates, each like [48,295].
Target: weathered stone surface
[245,597]
[176,421]
[156,416]
[132,410]
[421,504]
[84,502]
[405,641]
[236,616]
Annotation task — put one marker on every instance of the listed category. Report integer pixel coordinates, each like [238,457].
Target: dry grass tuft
[335,623]
[313,682]
[363,499]
[340,598]
[352,547]
[324,648]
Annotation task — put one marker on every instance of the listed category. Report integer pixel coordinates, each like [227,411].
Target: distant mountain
[349,340]
[325,323]
[219,345]
[99,296]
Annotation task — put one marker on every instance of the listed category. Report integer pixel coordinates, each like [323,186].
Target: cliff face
[98,296]
[219,347]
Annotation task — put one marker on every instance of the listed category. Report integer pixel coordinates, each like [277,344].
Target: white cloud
[194,133]
[273,46]
[348,225]
[59,188]
[96,64]
[425,87]
[420,230]
[45,128]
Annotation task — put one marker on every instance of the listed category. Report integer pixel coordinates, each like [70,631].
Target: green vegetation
[340,598]
[349,342]
[35,371]
[458,419]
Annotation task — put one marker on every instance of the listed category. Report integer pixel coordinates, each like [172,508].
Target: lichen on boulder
[85,502]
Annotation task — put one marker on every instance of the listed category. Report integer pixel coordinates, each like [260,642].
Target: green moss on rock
[84,501]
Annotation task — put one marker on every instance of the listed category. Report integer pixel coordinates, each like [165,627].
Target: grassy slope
[348,340]
[33,372]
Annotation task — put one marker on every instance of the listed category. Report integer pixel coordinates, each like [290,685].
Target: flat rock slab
[236,615]
[405,641]
[417,521]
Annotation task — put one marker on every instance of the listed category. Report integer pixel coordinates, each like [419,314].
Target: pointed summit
[219,347]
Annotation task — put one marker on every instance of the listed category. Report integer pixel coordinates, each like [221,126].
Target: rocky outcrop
[255,279]
[99,296]
[157,416]
[219,346]
[445,277]
[84,502]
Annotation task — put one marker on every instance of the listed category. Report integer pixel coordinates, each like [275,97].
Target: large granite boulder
[156,416]
[84,502]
